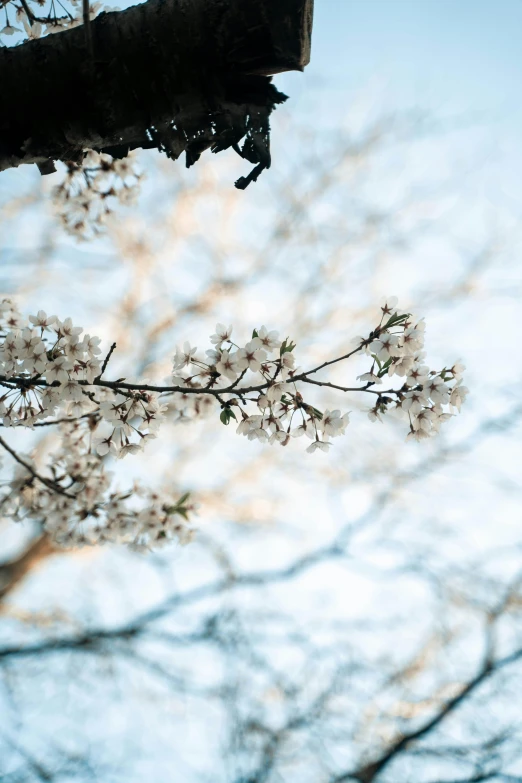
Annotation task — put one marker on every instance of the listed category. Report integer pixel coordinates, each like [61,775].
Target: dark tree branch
[370,772]
[179,75]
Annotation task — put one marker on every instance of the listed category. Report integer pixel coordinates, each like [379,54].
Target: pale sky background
[462,62]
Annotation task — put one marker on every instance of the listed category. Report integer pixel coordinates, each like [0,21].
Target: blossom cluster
[427,398]
[52,373]
[77,507]
[91,189]
[37,20]
[281,412]
[49,366]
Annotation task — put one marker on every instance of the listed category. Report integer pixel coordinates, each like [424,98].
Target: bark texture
[180,75]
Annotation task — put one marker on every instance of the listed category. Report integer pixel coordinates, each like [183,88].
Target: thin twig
[65,420]
[105,362]
[47,482]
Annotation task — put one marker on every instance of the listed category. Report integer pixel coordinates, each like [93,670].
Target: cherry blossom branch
[48,367]
[47,482]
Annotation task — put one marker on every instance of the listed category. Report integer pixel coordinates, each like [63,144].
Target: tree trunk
[173,74]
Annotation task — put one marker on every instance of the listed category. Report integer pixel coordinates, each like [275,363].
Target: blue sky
[461,55]
[456,58]
[460,61]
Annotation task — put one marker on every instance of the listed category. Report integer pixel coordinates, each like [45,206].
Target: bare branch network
[52,375]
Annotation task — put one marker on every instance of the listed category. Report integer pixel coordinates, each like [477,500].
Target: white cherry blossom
[269,341]
[50,369]
[458,395]
[250,357]
[228,365]
[42,320]
[318,444]
[222,334]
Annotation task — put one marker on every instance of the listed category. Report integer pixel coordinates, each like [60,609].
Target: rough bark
[173,74]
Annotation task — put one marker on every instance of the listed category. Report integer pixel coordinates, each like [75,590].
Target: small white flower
[221,335]
[112,410]
[27,343]
[263,402]
[250,357]
[269,341]
[331,423]
[417,435]
[457,370]
[437,390]
[424,420]
[213,356]
[42,320]
[369,377]
[66,328]
[58,370]
[33,30]
[9,30]
[92,370]
[401,366]
[228,365]
[122,428]
[345,420]
[184,357]
[418,374]
[412,340]
[275,392]
[287,365]
[74,349]
[414,401]
[318,444]
[91,345]
[129,448]
[458,395]
[280,436]
[105,446]
[301,429]
[386,346]
[71,390]
[258,434]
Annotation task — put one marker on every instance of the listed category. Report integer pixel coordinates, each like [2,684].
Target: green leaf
[394,320]
[375,358]
[287,346]
[254,334]
[179,508]
[226,415]
[384,368]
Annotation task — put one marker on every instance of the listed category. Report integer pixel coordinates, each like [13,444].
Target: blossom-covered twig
[49,367]
[90,190]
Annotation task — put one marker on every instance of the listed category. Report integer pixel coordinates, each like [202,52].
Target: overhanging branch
[179,75]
